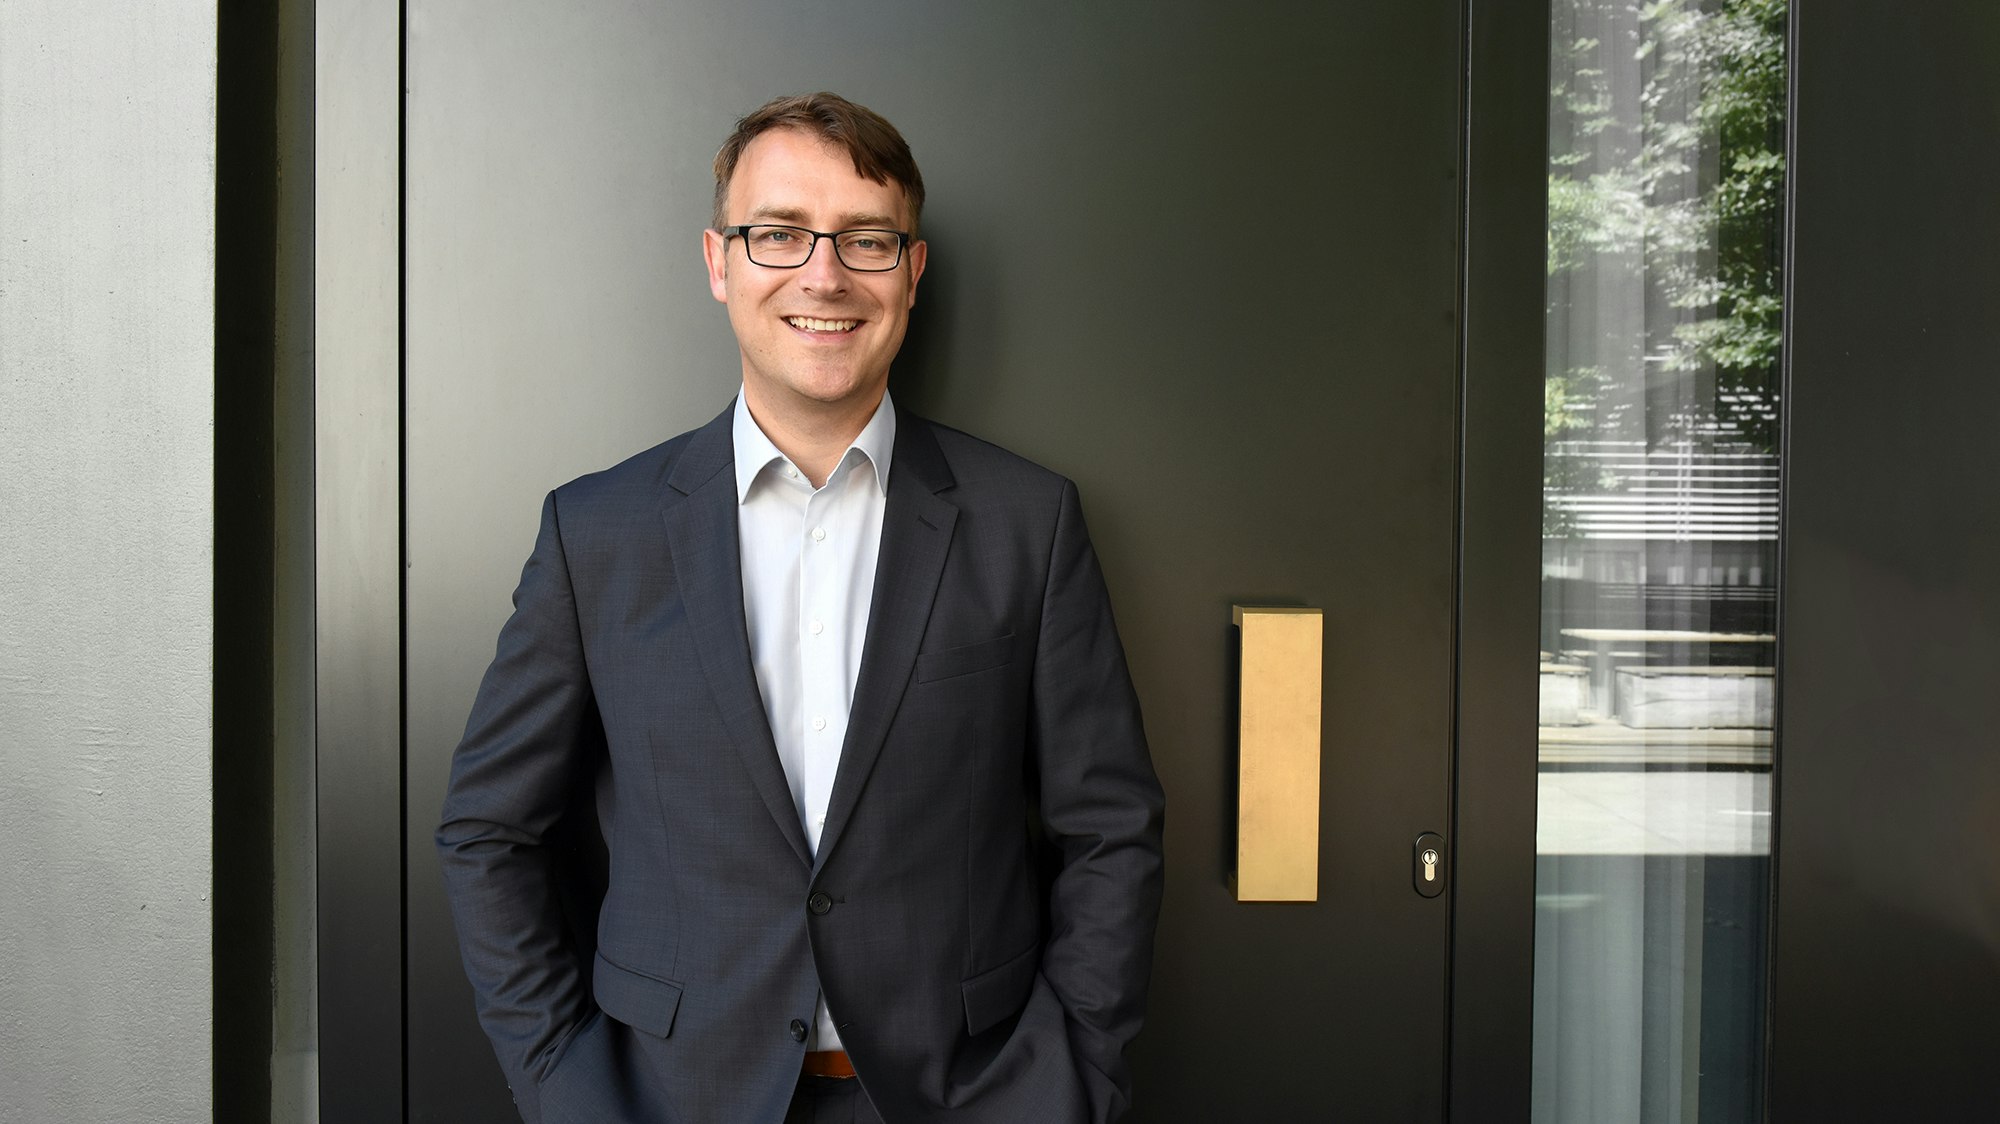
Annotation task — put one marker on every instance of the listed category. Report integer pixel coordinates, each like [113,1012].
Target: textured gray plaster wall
[107,112]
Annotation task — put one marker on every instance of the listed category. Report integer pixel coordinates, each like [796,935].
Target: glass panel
[1659,559]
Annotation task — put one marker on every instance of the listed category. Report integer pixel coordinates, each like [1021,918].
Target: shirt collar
[755,452]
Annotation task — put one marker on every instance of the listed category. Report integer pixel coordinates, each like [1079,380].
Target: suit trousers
[831,1100]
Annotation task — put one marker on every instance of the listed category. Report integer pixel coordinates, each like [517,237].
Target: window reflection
[1659,564]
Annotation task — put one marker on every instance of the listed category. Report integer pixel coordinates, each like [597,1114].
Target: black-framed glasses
[789,247]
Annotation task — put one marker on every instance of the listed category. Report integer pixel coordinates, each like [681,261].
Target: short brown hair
[878,150]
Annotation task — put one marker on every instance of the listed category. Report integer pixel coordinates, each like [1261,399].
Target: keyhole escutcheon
[1428,870]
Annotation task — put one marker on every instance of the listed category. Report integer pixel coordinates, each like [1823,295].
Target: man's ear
[715,251]
[919,253]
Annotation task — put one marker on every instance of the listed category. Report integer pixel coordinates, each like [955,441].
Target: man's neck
[813,439]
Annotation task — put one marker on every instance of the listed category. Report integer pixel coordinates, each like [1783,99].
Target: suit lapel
[699,510]
[916,537]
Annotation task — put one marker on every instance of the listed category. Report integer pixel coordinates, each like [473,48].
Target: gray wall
[294,858]
[106,452]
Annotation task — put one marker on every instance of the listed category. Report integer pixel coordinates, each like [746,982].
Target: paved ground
[1660,812]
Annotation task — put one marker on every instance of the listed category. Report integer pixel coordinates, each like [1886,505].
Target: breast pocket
[965,660]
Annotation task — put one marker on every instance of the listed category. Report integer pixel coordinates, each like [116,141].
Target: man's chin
[830,391]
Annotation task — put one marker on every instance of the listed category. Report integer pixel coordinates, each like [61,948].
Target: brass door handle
[1278,728]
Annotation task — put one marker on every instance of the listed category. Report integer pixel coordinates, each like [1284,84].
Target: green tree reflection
[1682,185]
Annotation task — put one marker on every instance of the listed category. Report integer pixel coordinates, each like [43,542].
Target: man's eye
[778,237]
[864,242]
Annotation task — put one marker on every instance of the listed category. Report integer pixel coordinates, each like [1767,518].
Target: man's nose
[823,273]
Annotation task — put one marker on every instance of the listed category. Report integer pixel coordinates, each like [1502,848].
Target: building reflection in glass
[1659,564]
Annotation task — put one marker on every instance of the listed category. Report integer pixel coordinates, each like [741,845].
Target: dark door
[1201,258]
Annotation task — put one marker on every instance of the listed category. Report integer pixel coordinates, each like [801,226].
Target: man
[826,665]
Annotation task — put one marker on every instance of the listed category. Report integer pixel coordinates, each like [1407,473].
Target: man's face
[790,177]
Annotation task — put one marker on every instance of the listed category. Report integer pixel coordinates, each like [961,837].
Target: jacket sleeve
[1102,805]
[533,733]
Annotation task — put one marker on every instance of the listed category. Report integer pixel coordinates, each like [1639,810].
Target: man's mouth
[813,324]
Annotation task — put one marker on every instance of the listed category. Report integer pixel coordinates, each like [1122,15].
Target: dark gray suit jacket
[992,695]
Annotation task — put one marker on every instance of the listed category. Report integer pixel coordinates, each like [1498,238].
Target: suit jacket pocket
[994,994]
[639,1001]
[572,1050]
[965,659]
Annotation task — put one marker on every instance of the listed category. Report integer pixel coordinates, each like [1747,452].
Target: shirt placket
[825,712]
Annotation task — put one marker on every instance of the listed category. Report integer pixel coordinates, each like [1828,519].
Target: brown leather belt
[828,1063]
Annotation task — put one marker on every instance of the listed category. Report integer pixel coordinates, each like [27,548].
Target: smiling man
[883,833]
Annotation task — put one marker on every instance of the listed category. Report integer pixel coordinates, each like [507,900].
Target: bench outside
[1692,698]
[1565,693]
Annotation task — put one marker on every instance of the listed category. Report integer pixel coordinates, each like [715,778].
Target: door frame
[1503,248]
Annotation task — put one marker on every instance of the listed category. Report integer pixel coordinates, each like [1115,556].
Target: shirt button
[791,473]
[819,534]
[818,627]
[820,904]
[819,723]
[798,1031]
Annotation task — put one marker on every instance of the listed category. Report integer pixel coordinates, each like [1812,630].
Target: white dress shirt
[808,559]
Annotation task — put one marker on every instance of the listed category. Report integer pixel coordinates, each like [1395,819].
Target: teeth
[812,325]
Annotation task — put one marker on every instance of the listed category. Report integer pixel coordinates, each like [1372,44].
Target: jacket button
[798,1031]
[819,903]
